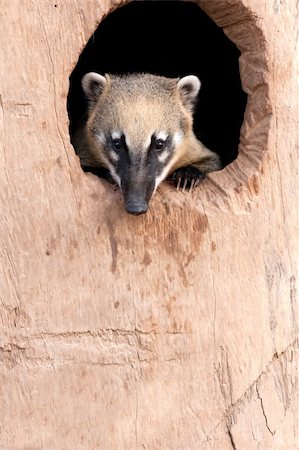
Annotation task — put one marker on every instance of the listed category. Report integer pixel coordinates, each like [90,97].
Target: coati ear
[93,84]
[188,88]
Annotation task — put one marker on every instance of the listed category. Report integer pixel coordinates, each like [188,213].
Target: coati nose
[136,207]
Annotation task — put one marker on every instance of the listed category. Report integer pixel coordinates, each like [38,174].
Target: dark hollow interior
[173,39]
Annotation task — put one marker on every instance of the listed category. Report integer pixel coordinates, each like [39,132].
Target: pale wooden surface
[175,330]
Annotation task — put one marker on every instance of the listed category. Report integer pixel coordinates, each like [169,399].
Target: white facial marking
[163,156]
[161,135]
[114,155]
[163,175]
[178,137]
[114,174]
[112,170]
[116,134]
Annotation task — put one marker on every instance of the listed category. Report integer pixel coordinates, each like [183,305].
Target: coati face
[136,126]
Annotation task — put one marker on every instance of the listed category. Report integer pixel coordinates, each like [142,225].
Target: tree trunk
[175,330]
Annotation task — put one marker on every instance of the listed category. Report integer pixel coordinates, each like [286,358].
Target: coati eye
[116,143]
[159,144]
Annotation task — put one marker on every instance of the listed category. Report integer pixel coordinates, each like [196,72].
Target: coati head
[137,128]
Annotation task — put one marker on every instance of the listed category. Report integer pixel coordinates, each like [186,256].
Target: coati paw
[187,177]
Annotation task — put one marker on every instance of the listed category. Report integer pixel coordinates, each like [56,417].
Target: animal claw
[187,178]
[196,183]
[192,185]
[178,183]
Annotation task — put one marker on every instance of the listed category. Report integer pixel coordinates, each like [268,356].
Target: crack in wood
[235,408]
[263,410]
[229,432]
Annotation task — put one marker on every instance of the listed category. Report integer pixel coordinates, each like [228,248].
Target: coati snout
[140,128]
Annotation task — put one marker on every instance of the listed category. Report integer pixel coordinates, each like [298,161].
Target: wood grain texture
[175,330]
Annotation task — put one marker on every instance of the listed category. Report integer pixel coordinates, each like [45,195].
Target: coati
[140,128]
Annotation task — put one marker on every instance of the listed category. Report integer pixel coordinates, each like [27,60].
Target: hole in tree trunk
[172,39]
